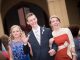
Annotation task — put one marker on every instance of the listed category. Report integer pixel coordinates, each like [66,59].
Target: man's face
[32,21]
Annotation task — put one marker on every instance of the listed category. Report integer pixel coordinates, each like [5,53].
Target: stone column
[58,8]
[1,25]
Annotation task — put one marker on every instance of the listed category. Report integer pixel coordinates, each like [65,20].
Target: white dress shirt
[37,33]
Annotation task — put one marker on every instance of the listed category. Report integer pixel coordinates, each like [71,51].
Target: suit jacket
[40,51]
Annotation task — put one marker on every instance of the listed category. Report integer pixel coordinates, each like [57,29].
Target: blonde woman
[16,44]
[63,38]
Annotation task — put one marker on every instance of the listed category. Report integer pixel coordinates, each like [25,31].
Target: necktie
[37,35]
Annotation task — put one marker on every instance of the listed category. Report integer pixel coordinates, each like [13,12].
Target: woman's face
[55,22]
[16,32]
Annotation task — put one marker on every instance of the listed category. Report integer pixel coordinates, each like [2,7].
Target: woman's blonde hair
[12,27]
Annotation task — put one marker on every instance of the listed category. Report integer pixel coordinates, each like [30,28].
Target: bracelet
[25,43]
[73,53]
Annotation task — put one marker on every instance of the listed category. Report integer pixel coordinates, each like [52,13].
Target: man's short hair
[29,14]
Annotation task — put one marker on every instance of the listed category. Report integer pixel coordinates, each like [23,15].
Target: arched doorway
[73,10]
[12,17]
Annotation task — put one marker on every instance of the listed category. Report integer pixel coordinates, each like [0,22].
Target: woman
[75,32]
[63,38]
[16,44]
[4,47]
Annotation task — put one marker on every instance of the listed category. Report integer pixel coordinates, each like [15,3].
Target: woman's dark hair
[4,40]
[74,30]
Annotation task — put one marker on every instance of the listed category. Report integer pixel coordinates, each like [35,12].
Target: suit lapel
[41,34]
[34,38]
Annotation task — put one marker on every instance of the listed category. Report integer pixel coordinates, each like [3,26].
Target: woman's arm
[72,44]
[30,49]
[27,49]
[52,47]
[10,53]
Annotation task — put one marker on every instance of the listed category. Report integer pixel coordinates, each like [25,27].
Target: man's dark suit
[40,52]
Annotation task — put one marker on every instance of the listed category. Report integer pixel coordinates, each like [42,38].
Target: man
[39,39]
